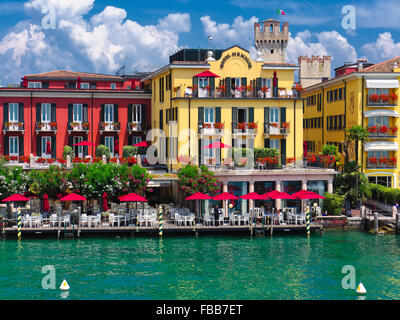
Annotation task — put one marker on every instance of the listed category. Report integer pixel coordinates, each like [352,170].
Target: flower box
[252,125]
[372,129]
[218,125]
[383,129]
[374,97]
[241,126]
[393,130]
[373,160]
[384,97]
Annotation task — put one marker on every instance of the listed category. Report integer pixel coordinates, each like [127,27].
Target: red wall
[30,137]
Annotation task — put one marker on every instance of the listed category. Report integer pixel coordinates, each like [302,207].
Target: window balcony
[78,127]
[382,132]
[112,127]
[13,127]
[210,129]
[244,128]
[382,163]
[382,100]
[276,129]
[136,127]
[48,127]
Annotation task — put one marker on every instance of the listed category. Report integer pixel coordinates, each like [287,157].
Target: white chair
[53,220]
[179,220]
[291,218]
[289,92]
[65,220]
[208,220]
[26,220]
[140,219]
[112,219]
[245,219]
[269,94]
[233,219]
[97,220]
[190,220]
[281,219]
[301,218]
[84,220]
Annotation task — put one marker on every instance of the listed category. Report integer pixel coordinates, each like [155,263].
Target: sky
[101,36]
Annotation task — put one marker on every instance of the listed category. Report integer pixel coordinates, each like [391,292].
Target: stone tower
[271,41]
[314,70]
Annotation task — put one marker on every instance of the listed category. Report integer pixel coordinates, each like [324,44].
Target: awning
[381,112]
[381,146]
[382,83]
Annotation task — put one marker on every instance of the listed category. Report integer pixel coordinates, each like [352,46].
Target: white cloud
[225,35]
[101,43]
[379,14]
[383,48]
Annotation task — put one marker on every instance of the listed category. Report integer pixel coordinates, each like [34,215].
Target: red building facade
[54,109]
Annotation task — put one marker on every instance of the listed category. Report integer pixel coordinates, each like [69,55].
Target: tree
[193,179]
[355,135]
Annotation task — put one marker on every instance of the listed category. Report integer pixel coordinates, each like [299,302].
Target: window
[274,144]
[383,180]
[113,86]
[109,142]
[266,82]
[340,93]
[136,140]
[378,121]
[109,113]
[78,113]
[209,115]
[85,85]
[378,154]
[336,94]
[203,82]
[274,115]
[34,85]
[13,112]
[78,150]
[13,146]
[46,112]
[378,91]
[44,147]
[136,113]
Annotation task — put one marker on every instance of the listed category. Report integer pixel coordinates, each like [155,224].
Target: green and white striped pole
[19,224]
[160,212]
[308,220]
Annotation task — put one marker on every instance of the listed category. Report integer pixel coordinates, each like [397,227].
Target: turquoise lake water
[204,267]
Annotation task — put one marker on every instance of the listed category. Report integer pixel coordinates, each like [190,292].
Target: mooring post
[397,222]
[376,222]
[308,229]
[160,229]
[19,224]
[272,223]
[58,224]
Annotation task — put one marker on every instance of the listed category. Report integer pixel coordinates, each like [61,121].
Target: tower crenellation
[314,70]
[271,40]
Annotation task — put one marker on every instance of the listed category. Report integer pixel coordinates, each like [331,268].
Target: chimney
[360,63]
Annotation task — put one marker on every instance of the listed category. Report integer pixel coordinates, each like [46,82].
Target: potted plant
[383,129]
[384,97]
[373,160]
[252,125]
[372,129]
[393,96]
[20,125]
[241,126]
[393,130]
[53,125]
[393,161]
[134,126]
[115,125]
[218,125]
[85,125]
[74,125]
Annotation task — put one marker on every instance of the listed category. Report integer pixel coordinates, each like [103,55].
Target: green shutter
[85,112]
[212,83]
[161,120]
[53,147]
[251,114]
[283,151]
[38,111]
[144,118]
[21,145]
[39,146]
[5,145]
[70,113]
[258,84]
[283,115]
[53,112]
[102,113]
[195,83]
[218,114]
[266,115]
[266,143]
[115,113]
[234,115]
[244,81]
[200,115]
[228,87]
[21,112]
[5,112]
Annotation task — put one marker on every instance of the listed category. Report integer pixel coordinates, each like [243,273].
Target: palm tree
[357,134]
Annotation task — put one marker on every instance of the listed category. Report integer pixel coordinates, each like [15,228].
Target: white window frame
[113,86]
[266,82]
[136,113]
[45,117]
[43,146]
[107,108]
[209,115]
[107,141]
[274,144]
[13,146]
[34,85]
[237,82]
[84,84]
[203,82]
[274,115]
[75,116]
[75,140]
[13,115]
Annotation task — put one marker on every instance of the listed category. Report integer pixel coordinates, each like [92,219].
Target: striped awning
[382,83]
[381,146]
[381,112]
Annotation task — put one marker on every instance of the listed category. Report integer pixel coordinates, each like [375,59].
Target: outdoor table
[119,219]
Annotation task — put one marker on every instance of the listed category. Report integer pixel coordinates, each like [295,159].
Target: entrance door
[78,150]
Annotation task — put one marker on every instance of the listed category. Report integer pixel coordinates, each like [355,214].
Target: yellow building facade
[365,97]
[228,98]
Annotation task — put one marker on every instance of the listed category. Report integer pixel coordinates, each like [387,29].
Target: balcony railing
[381,163]
[109,127]
[382,132]
[13,127]
[276,128]
[46,127]
[237,93]
[244,128]
[379,101]
[137,127]
[210,128]
[78,127]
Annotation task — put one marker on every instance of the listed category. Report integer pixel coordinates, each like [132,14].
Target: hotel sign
[238,55]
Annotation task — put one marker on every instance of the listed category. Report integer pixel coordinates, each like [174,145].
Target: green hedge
[333,204]
[265,152]
[385,194]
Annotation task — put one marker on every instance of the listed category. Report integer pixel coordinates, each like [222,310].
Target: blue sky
[100,36]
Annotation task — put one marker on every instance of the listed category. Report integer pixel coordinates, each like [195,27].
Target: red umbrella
[199,196]
[253,196]
[84,143]
[225,196]
[279,195]
[132,197]
[15,197]
[48,147]
[216,145]
[307,195]
[142,144]
[73,197]
[116,146]
[105,206]
[207,74]
[46,206]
